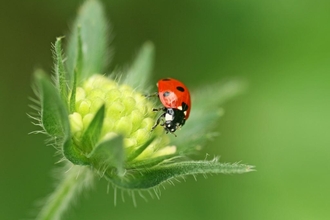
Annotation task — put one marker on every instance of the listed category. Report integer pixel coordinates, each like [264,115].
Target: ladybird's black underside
[184,106]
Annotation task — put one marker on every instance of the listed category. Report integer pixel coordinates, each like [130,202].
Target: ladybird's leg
[158,121]
[173,134]
[159,109]
[151,95]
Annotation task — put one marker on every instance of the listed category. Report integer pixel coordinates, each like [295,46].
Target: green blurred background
[281,124]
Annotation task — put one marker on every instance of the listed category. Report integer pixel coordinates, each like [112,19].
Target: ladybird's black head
[174,118]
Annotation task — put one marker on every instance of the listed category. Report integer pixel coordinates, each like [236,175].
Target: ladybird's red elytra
[175,97]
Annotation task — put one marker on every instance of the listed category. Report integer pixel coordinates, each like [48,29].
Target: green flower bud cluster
[127,113]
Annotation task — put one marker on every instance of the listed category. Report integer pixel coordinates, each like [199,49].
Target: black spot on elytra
[165,94]
[181,89]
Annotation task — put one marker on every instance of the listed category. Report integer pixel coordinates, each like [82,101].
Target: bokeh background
[281,124]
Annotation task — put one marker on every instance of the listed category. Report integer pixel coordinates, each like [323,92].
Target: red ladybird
[175,98]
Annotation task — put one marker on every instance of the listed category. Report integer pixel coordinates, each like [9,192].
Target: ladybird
[175,97]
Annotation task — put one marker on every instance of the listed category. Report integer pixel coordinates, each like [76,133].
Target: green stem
[71,184]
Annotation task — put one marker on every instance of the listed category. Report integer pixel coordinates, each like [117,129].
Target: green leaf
[205,114]
[54,115]
[145,163]
[109,153]
[80,54]
[94,35]
[73,93]
[60,77]
[218,93]
[140,149]
[93,131]
[77,71]
[139,74]
[148,178]
[73,154]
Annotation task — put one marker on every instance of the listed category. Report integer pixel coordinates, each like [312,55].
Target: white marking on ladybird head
[168,117]
[172,129]
[185,113]
[180,108]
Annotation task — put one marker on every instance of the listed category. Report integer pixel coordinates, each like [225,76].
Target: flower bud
[127,113]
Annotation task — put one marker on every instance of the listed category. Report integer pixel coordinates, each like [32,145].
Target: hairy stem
[75,180]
